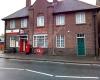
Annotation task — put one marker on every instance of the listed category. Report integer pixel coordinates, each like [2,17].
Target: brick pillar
[31,25]
[50,30]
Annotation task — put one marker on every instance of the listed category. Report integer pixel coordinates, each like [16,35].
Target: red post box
[28,47]
[39,51]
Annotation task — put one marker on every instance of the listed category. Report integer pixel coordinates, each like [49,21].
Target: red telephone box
[20,46]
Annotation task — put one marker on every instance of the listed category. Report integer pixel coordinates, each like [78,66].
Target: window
[80,18]
[60,20]
[60,41]
[24,23]
[40,21]
[12,24]
[12,41]
[40,41]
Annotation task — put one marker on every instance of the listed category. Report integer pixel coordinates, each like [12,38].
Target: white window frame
[80,35]
[80,18]
[40,21]
[35,43]
[60,20]
[12,24]
[60,45]
[23,23]
[12,42]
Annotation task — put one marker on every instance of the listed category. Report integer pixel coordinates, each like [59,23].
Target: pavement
[53,58]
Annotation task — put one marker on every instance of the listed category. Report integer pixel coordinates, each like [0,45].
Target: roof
[20,13]
[61,6]
[72,5]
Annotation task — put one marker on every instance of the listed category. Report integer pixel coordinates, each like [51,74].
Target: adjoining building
[1,44]
[67,27]
[98,17]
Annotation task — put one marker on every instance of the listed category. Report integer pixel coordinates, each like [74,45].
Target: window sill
[40,26]
[60,47]
[81,24]
[24,28]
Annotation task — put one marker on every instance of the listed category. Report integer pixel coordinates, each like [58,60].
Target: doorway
[22,44]
[81,50]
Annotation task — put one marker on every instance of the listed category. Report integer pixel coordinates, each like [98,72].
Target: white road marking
[98,65]
[50,75]
[39,72]
[77,77]
[12,69]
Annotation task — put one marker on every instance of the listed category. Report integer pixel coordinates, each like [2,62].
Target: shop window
[12,41]
[40,41]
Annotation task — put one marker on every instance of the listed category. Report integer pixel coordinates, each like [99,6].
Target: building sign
[15,31]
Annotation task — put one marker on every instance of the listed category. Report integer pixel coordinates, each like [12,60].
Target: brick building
[61,27]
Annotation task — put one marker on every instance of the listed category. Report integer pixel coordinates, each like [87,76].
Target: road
[11,69]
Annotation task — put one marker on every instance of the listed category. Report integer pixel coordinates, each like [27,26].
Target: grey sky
[9,6]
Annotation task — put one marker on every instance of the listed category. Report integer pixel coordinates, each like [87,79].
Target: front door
[81,46]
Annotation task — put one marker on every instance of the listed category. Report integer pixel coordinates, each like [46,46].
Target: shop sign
[15,31]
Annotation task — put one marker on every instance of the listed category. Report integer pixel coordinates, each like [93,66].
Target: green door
[81,46]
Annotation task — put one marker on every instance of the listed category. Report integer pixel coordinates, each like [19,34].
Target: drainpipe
[95,34]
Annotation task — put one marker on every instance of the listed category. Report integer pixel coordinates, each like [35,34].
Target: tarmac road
[11,69]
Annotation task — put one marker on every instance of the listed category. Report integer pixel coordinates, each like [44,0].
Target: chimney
[28,3]
[98,2]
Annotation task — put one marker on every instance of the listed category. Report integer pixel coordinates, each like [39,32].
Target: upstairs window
[60,20]
[23,23]
[40,21]
[80,18]
[12,24]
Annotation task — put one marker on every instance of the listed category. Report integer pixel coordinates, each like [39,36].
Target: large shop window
[60,41]
[80,18]
[12,24]
[12,41]
[23,23]
[40,41]
[40,21]
[60,20]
